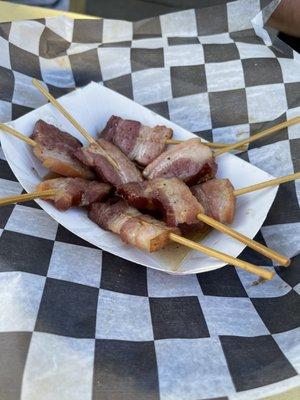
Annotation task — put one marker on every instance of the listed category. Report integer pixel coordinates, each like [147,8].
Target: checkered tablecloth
[79,323]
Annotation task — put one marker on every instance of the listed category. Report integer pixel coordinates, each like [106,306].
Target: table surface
[13,12]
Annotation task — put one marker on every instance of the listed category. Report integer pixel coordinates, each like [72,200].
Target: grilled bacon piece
[75,192]
[141,231]
[55,149]
[171,197]
[217,198]
[139,142]
[190,161]
[93,156]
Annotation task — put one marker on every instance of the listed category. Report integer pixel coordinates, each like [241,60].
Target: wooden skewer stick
[73,121]
[253,269]
[17,134]
[262,185]
[217,145]
[260,248]
[258,135]
[45,194]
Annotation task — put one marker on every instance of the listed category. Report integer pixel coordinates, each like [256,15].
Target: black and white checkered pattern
[79,323]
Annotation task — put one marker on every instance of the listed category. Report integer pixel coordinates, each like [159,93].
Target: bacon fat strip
[139,142]
[55,149]
[93,157]
[171,197]
[134,228]
[217,198]
[75,192]
[191,161]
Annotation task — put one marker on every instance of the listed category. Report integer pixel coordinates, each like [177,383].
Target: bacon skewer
[65,193]
[193,162]
[182,207]
[54,148]
[146,233]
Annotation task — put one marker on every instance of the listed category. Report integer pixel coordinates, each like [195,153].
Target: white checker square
[220,38]
[116,31]
[32,221]
[9,188]
[275,287]
[4,51]
[58,367]
[21,294]
[297,288]
[1,230]
[161,284]
[279,164]
[232,316]
[231,134]
[182,23]
[114,62]
[57,71]
[123,317]
[224,76]
[284,238]
[150,43]
[290,69]
[77,48]
[289,343]
[266,102]
[192,369]
[5,111]
[191,112]
[77,264]
[25,93]
[62,26]
[186,54]
[250,50]
[294,130]
[151,85]
[297,185]
[240,14]
[29,42]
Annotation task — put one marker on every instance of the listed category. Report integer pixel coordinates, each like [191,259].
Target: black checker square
[253,256]
[19,252]
[147,28]
[122,85]
[228,108]
[68,309]
[255,361]
[290,275]
[223,282]
[212,20]
[18,110]
[7,82]
[5,171]
[246,36]
[146,58]
[5,30]
[58,91]
[286,199]
[295,151]
[292,91]
[175,41]
[269,139]
[82,74]
[279,314]
[257,71]
[24,62]
[177,317]
[87,31]
[66,236]
[123,276]
[125,371]
[207,135]
[13,353]
[5,213]
[161,108]
[52,45]
[188,80]
[214,53]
